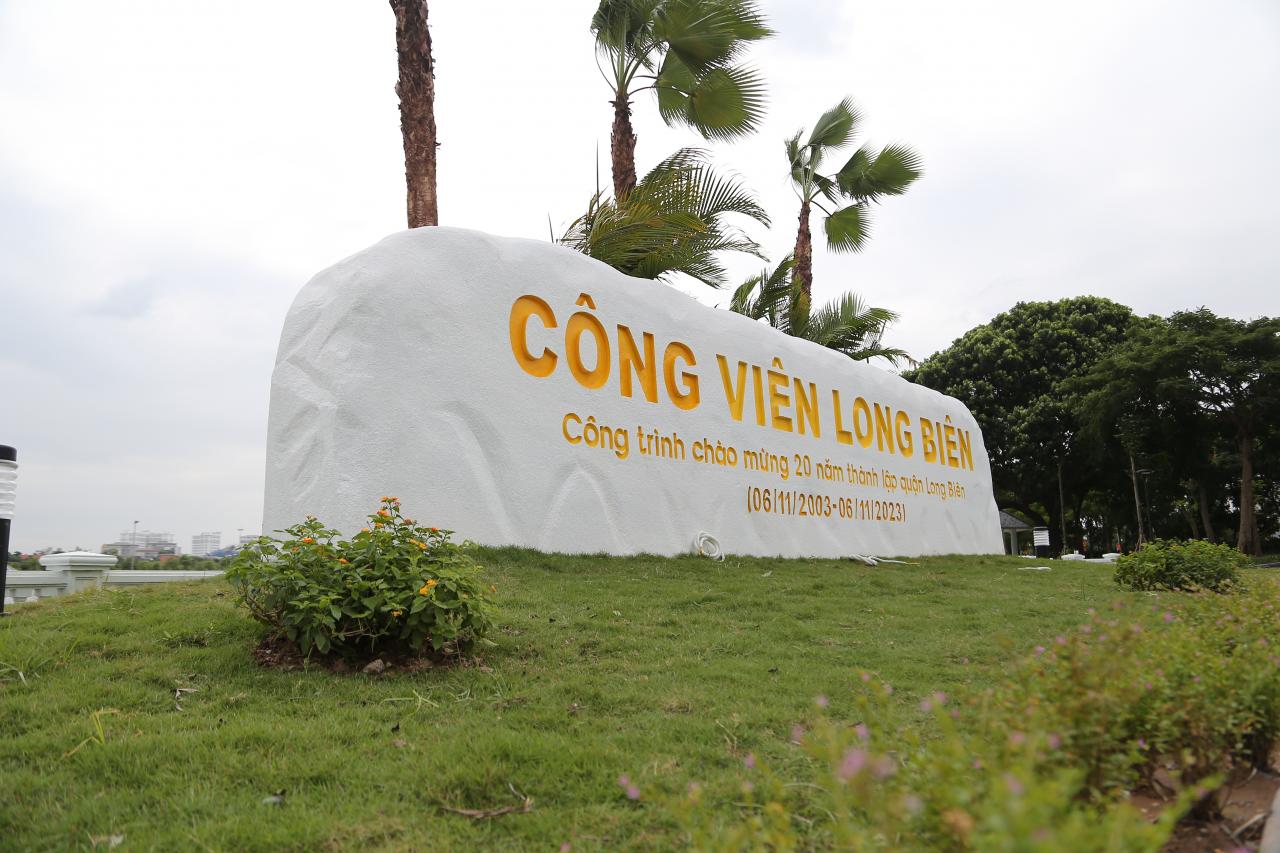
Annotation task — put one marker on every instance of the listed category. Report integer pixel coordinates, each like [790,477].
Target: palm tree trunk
[1247,539]
[1206,519]
[622,148]
[804,252]
[417,91]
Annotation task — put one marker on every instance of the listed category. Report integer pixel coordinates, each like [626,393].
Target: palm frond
[707,34]
[869,176]
[847,325]
[836,126]
[848,229]
[720,103]
[674,221]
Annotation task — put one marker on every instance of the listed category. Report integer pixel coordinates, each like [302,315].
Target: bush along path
[1173,708]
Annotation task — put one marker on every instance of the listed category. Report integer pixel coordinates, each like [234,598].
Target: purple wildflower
[862,731]
[750,760]
[852,763]
[821,701]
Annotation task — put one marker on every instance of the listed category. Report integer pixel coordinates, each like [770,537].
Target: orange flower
[395,614]
[493,588]
[394,499]
[342,560]
[435,529]
[364,530]
[427,587]
[408,521]
[377,524]
[307,540]
[384,513]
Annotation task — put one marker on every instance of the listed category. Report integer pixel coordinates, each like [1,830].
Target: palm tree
[847,325]
[673,221]
[865,178]
[417,92]
[684,50]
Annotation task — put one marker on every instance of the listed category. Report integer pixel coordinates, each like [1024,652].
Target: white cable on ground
[708,546]
[875,561]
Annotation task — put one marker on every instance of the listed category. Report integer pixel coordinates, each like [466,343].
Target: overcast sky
[172,172]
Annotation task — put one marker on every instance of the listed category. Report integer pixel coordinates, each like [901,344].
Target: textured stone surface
[397,374]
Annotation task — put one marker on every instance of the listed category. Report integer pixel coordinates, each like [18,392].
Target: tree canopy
[1012,373]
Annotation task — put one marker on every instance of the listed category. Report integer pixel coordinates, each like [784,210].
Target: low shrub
[1172,565]
[1191,689]
[874,786]
[395,587]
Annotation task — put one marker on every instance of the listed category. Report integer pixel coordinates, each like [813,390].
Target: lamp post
[1145,474]
[8,490]
[135,545]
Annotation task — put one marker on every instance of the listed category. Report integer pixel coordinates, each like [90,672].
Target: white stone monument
[520,393]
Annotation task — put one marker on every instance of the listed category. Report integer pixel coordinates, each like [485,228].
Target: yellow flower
[364,530]
[395,614]
[427,587]
[493,588]
[342,560]
[377,524]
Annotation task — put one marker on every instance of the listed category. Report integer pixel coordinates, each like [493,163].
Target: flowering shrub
[1196,691]
[1042,762]
[873,787]
[1167,564]
[394,587]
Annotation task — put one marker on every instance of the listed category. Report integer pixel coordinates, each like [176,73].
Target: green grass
[668,670]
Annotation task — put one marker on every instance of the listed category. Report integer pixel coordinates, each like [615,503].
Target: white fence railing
[81,570]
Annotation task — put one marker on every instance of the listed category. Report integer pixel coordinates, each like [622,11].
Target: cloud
[128,300]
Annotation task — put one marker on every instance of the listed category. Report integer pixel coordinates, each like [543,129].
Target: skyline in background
[171,175]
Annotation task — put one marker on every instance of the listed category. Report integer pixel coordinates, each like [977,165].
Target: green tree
[673,221]
[1193,377]
[847,325]
[1012,373]
[686,51]
[865,178]
[1123,395]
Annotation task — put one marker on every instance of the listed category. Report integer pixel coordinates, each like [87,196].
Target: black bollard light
[8,489]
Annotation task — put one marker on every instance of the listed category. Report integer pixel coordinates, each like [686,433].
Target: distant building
[246,538]
[203,544]
[145,546]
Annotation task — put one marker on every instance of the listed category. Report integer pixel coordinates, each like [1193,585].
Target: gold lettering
[629,359]
[521,310]
[686,397]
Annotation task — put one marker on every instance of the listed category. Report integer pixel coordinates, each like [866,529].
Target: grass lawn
[667,670]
